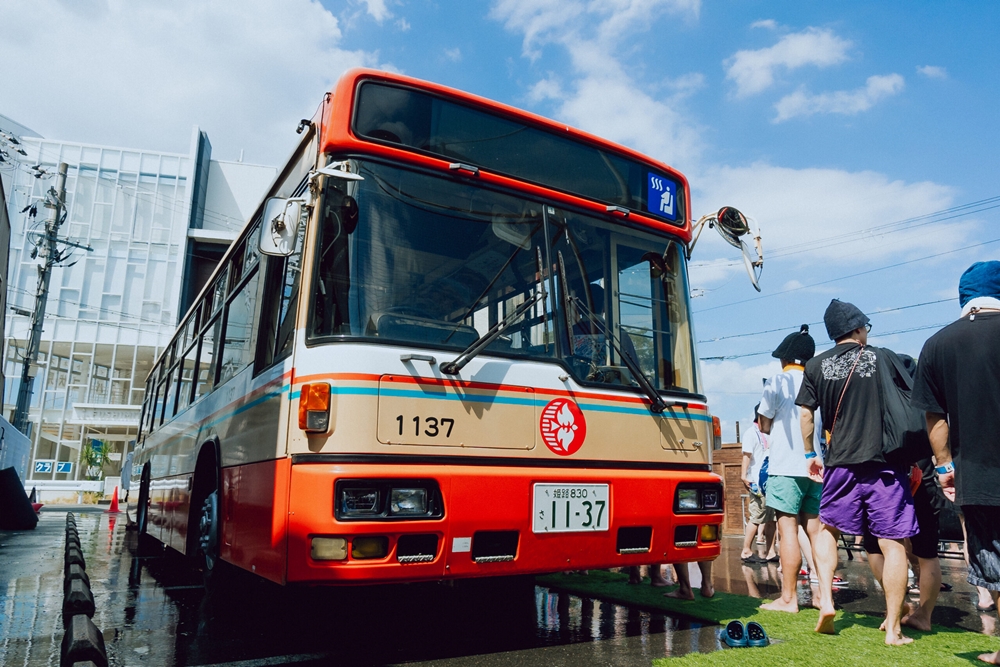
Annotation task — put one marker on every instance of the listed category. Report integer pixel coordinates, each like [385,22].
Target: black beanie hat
[842,318]
[798,347]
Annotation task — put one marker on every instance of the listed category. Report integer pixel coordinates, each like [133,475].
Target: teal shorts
[793,495]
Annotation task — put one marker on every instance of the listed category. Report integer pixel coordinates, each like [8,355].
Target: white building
[157,223]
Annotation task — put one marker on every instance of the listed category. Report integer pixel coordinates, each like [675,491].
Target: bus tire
[204,519]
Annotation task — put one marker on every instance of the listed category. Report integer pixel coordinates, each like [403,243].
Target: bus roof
[335,135]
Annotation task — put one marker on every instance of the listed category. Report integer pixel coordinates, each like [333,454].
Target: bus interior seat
[421,330]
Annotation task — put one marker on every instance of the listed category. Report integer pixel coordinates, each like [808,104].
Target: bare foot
[991,658]
[893,639]
[680,594]
[780,605]
[707,590]
[825,623]
[660,582]
[917,622]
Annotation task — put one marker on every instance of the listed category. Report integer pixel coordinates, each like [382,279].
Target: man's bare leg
[683,591]
[769,529]
[791,561]
[894,576]
[992,658]
[824,552]
[749,538]
[707,589]
[930,586]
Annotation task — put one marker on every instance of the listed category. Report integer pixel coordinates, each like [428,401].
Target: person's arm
[807,422]
[764,424]
[937,432]
[743,470]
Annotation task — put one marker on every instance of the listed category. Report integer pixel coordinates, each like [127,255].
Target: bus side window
[187,375]
[238,343]
[207,365]
[170,400]
[277,316]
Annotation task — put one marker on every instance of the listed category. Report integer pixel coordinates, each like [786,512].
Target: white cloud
[754,71]
[933,72]
[454,55]
[767,24]
[602,97]
[403,25]
[545,89]
[799,210]
[146,73]
[377,9]
[846,102]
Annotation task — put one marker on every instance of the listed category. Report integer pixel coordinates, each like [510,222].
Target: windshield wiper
[656,402]
[453,367]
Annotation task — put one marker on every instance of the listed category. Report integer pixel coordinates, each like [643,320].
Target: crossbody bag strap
[842,392]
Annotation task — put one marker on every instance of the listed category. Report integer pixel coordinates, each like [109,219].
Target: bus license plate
[570,508]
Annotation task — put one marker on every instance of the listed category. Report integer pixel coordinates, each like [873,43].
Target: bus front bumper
[486,527]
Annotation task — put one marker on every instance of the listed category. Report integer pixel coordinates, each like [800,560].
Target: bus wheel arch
[204,517]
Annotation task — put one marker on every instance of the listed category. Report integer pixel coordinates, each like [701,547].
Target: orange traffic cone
[114,503]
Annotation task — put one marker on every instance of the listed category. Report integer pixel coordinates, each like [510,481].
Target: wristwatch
[945,469]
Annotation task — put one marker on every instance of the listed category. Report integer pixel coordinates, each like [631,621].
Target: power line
[852,275]
[870,336]
[812,324]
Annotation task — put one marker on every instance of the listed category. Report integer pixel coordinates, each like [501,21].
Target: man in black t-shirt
[958,385]
[860,490]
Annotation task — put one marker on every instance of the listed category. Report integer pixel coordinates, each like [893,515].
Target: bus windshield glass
[418,260]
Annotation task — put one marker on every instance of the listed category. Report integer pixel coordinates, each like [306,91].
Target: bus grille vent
[492,559]
[686,536]
[494,546]
[634,539]
[419,558]
[416,548]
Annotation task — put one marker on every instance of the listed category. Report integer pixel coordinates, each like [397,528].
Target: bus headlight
[687,499]
[408,501]
[369,546]
[710,499]
[360,502]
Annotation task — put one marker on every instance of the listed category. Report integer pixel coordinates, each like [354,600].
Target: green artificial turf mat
[858,642]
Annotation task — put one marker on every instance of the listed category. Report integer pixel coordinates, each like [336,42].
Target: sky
[859,136]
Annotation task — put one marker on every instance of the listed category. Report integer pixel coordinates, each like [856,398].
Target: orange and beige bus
[453,341]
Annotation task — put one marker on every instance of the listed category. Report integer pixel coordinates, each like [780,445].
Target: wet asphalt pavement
[153,609]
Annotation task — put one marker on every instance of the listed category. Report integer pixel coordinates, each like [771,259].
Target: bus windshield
[414,259]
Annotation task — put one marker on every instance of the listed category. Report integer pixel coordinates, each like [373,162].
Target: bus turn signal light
[314,407]
[716,433]
[710,533]
[329,548]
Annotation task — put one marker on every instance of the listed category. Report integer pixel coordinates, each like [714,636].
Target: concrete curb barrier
[83,642]
[74,572]
[78,599]
[75,557]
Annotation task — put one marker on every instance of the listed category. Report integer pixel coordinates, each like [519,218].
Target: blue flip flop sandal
[735,634]
[756,635]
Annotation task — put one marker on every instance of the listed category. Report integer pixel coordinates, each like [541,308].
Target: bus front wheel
[208,532]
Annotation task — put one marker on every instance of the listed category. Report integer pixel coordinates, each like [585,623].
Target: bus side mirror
[280,225]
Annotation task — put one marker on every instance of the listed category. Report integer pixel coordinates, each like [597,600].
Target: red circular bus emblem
[563,426]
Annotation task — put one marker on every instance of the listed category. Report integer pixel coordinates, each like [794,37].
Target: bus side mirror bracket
[282,218]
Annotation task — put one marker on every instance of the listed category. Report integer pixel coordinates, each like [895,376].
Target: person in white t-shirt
[790,493]
[754,455]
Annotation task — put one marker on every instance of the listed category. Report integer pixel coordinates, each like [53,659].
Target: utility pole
[56,203]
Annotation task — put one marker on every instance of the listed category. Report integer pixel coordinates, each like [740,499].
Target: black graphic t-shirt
[857,436]
[959,375]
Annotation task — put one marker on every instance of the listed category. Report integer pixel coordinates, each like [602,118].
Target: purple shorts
[872,496]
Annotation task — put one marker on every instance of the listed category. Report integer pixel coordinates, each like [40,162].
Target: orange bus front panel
[487,526]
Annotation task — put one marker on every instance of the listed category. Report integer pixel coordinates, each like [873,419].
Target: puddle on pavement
[155,610]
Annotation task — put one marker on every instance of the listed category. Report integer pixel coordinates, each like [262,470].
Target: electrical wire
[791,327]
[852,275]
